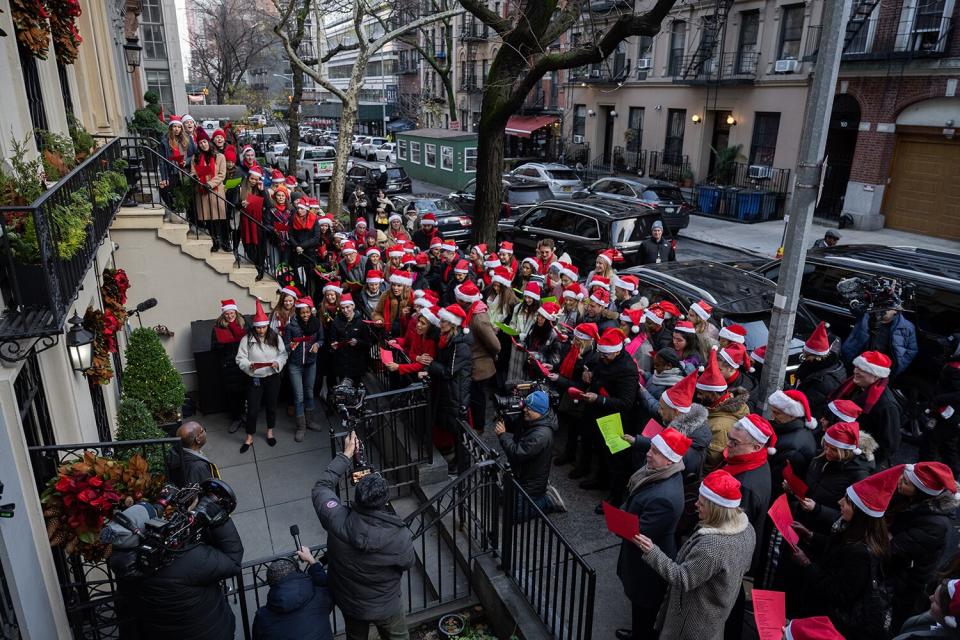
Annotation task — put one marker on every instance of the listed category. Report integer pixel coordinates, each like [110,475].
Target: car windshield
[630,229]
[563,174]
[758,332]
[527,196]
[396,173]
[666,195]
[429,204]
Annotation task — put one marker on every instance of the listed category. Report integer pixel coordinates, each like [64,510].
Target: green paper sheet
[550,299]
[232,183]
[506,329]
[611,427]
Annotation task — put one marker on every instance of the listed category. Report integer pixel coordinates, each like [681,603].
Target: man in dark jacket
[369,550]
[484,349]
[818,377]
[942,442]
[886,331]
[186,463]
[790,418]
[451,372]
[529,452]
[656,248]
[298,604]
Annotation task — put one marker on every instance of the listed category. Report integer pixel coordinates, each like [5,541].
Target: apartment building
[162,60]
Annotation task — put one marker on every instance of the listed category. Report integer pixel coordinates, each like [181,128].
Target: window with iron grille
[678,44]
[749,36]
[791,32]
[673,145]
[763,147]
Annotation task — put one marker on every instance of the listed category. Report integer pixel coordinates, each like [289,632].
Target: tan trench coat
[209,205]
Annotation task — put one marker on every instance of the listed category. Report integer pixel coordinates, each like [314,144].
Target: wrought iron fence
[667,166]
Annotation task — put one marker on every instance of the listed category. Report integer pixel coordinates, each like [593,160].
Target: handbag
[872,615]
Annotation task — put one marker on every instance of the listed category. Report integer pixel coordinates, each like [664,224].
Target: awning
[524,126]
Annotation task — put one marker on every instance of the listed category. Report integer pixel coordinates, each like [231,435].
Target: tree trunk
[293,121]
[451,97]
[348,118]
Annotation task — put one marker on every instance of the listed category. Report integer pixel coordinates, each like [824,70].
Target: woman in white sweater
[261,356]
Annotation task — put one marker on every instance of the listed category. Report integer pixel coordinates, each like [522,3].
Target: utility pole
[816,122]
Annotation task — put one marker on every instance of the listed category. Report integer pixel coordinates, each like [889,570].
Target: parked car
[452,222]
[377,175]
[387,152]
[314,165]
[582,228]
[518,196]
[561,179]
[368,151]
[357,144]
[276,151]
[663,196]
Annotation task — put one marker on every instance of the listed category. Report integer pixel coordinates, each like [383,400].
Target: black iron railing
[734,67]
[629,161]
[663,165]
[927,35]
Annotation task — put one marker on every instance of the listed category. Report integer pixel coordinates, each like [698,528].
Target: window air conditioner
[594,73]
[786,66]
[577,139]
[644,63]
[760,172]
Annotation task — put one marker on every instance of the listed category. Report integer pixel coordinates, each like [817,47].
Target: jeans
[523,511]
[262,391]
[392,628]
[302,379]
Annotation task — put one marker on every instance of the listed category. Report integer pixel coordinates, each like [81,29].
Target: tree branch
[478,8]
[377,44]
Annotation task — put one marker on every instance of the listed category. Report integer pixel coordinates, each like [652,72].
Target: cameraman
[368,549]
[883,328]
[298,604]
[184,599]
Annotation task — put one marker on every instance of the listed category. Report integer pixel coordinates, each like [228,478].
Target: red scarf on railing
[206,169]
[847,390]
[735,465]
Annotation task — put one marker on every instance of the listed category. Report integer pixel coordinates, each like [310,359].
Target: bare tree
[295,28]
[424,42]
[364,45]
[229,39]
[530,34]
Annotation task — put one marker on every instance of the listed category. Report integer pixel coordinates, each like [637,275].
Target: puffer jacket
[369,550]
[827,482]
[300,339]
[817,380]
[903,342]
[299,606]
[721,419]
[451,371]
[795,443]
[530,451]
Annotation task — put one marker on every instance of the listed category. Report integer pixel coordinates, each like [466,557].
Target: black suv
[377,175]
[452,223]
[581,228]
[665,197]
[518,196]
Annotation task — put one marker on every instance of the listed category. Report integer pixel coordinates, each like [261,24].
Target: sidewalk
[763,238]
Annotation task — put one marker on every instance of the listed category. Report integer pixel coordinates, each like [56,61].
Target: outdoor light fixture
[614,114]
[731,120]
[695,118]
[131,53]
[591,112]
[79,344]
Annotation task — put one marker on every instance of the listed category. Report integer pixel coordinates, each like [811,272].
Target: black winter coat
[659,506]
[184,467]
[827,482]
[530,451]
[817,380]
[298,608]
[755,499]
[184,599]
[451,371]
[650,250]
[795,444]
[350,361]
[369,550]
[883,423]
[301,352]
[619,379]
[232,379]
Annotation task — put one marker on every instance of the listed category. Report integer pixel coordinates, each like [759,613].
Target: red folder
[626,525]
[782,519]
[797,486]
[651,429]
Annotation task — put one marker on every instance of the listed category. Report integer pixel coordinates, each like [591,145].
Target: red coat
[249,230]
[414,345]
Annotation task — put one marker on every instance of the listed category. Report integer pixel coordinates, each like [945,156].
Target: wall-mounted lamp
[614,114]
[731,120]
[591,112]
[131,54]
[79,344]
[658,107]
[696,119]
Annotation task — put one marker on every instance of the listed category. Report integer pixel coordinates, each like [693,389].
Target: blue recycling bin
[768,205]
[748,205]
[728,201]
[708,199]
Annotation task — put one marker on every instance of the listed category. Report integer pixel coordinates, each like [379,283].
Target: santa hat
[373,250]
[671,443]
[174,120]
[436,241]
[793,403]
[428,299]
[374,276]
[669,309]
[734,333]
[462,266]
[533,262]
[872,495]
[633,317]
[291,181]
[874,363]
[401,278]
[702,308]
[218,132]
[573,290]
[306,302]
[506,247]
[721,488]
[187,118]
[449,245]
[276,175]
[933,478]
[759,354]
[428,218]
[844,435]
[467,292]
[348,247]
[599,281]
[395,251]
[431,314]
[684,326]
[846,410]
[818,343]
[586,331]
[532,290]
[954,607]
[570,271]
[680,395]
[501,275]
[627,283]
[290,290]
[302,203]
[491,261]
[654,315]
[246,148]
[395,217]
[326,220]
[549,311]
[347,300]
[255,171]
[334,286]
[607,255]
[760,430]
[600,297]
[453,314]
[611,341]
[735,355]
[228,305]
[816,628]
[361,221]
[314,203]
[712,379]
[946,411]
[260,319]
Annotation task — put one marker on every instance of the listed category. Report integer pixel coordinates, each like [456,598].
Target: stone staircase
[177,233]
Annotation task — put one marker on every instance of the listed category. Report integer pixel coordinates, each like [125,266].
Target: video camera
[511,405]
[879,293]
[178,521]
[349,398]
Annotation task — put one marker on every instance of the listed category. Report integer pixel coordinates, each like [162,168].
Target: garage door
[924,191]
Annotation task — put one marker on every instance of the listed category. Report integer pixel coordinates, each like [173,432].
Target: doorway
[841,145]
[608,119]
[719,139]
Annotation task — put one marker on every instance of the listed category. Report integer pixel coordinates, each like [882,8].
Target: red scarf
[569,362]
[847,390]
[230,334]
[726,396]
[445,339]
[304,223]
[476,307]
[736,465]
[733,378]
[205,168]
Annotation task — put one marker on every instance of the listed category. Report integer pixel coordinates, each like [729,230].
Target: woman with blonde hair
[395,306]
[524,317]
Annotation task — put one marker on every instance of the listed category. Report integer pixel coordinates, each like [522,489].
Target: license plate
[670,210]
[566,188]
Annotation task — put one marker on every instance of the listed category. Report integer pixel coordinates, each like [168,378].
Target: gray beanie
[372,491]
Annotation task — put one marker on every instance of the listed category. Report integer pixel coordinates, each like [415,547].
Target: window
[645,47]
[415,152]
[401,150]
[673,145]
[470,160]
[678,44]
[861,20]
[763,147]
[159,80]
[430,155]
[749,36]
[585,227]
[579,119]
[927,23]
[635,124]
[791,30]
[446,158]
[151,23]
[614,188]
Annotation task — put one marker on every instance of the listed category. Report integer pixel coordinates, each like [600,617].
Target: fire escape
[472,35]
[709,63]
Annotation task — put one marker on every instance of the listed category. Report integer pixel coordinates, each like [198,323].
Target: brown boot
[301,429]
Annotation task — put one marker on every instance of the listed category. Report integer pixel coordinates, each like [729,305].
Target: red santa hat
[506,247]
[401,278]
[348,247]
[633,317]
[408,261]
[532,290]
[872,495]
[684,326]
[533,262]
[467,292]
[302,203]
[422,260]
[680,395]
[290,290]
[549,311]
[260,319]
[600,297]
[586,331]
[291,181]
[759,354]
[428,219]
[573,290]
[712,379]
[953,609]
[844,435]
[228,305]
[437,241]
[670,310]
[431,314]
[736,356]
[306,302]
[598,281]
[655,315]
[611,341]
[874,363]
[491,261]
[846,410]
[569,270]
[501,275]
[347,301]
[734,333]
[395,251]
[361,222]
[174,120]
[818,343]
[816,628]
[395,217]
[932,478]
[462,266]
[671,443]
[453,314]
[276,175]
[428,299]
[793,403]
[449,245]
[374,276]
[326,221]
[627,283]
[334,286]
[721,488]
[255,171]
[760,430]
[607,255]
[702,308]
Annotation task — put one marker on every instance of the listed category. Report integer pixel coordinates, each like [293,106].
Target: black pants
[479,390]
[262,391]
[644,617]
[256,253]
[733,629]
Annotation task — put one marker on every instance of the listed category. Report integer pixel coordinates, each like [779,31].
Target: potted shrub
[135,422]
[686,178]
[58,154]
[151,378]
[724,163]
[83,142]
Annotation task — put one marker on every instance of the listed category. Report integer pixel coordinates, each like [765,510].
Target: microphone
[295,532]
[149,303]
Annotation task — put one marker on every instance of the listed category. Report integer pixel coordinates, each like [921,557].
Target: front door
[841,144]
[720,138]
[607,134]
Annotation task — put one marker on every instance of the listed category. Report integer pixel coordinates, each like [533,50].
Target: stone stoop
[177,233]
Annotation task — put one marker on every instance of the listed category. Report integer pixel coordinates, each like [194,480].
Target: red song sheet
[546,372]
[261,365]
[626,525]
[797,486]
[386,356]
[782,519]
[770,613]
[653,428]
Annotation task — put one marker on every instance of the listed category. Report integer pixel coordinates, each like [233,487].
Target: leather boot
[301,429]
[310,424]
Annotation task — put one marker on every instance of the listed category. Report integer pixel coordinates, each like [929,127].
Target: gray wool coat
[703,582]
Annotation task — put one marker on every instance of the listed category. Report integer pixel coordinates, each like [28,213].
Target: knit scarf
[848,389]
[636,343]
[230,334]
[645,475]
[569,363]
[304,223]
[735,465]
[666,378]
[205,166]
[733,378]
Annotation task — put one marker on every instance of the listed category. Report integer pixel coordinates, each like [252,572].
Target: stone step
[198,248]
[222,262]
[173,233]
[138,218]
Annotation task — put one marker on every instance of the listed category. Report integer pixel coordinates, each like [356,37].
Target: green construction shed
[439,156]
